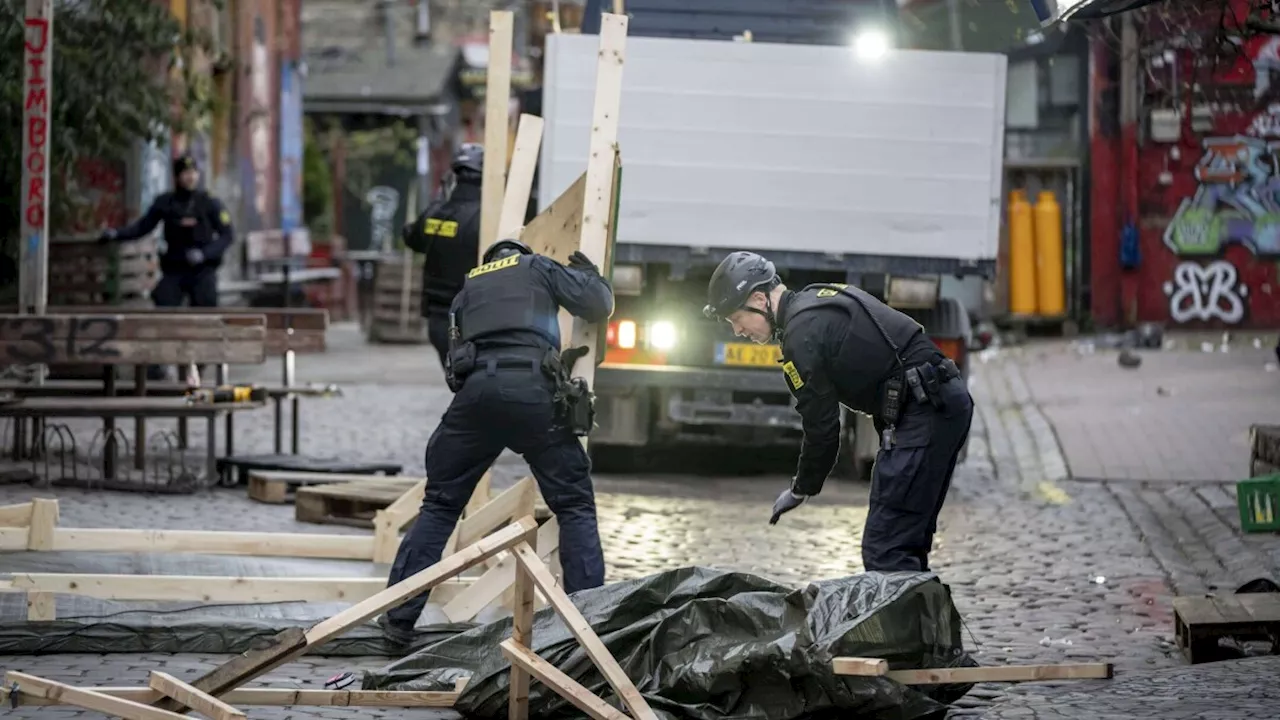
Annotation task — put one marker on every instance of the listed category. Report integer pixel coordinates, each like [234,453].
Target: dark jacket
[192,219]
[448,234]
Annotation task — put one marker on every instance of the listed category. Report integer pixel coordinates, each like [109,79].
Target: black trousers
[498,408]
[438,332]
[910,481]
[198,286]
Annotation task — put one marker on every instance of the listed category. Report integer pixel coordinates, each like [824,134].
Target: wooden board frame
[32,526]
[496,125]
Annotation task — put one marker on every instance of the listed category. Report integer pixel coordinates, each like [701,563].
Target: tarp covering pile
[707,644]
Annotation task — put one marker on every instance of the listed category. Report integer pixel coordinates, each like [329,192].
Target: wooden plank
[240,670]
[1230,609]
[388,522]
[587,638]
[1008,673]
[496,126]
[501,509]
[601,159]
[44,523]
[524,162]
[353,504]
[214,542]
[300,319]
[87,699]
[555,231]
[1197,611]
[522,638]
[490,586]
[1262,607]
[566,687]
[864,667]
[276,697]
[201,702]
[15,515]
[384,489]
[97,407]
[203,588]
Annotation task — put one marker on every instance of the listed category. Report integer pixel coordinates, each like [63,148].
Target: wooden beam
[17,516]
[87,699]
[507,505]
[521,636]
[965,675]
[235,673]
[41,607]
[497,103]
[491,585]
[205,588]
[601,159]
[566,687]
[865,667]
[273,697]
[133,339]
[201,702]
[215,542]
[44,521]
[388,522]
[581,629]
[524,162]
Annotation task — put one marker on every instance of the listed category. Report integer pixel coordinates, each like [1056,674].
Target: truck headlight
[662,335]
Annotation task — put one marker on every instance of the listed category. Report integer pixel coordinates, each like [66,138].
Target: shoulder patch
[793,376]
[503,264]
[832,291]
[224,217]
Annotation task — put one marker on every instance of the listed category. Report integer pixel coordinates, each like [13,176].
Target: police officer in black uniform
[197,233]
[506,372]
[841,346]
[448,233]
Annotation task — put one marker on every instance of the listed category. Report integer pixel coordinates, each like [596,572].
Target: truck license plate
[748,354]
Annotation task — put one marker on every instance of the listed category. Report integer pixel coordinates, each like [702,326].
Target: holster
[575,403]
[459,363]
[891,400]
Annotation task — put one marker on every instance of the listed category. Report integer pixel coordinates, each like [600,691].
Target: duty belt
[492,365]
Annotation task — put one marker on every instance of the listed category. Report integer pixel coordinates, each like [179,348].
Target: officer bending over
[841,346]
[505,369]
[448,234]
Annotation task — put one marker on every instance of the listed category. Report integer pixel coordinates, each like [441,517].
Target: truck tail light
[951,347]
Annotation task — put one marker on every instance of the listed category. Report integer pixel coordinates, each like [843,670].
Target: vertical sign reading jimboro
[37,94]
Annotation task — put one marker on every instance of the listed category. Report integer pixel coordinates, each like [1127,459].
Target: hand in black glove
[785,503]
[107,236]
[579,261]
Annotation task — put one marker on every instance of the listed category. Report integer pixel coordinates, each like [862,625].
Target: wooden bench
[289,332]
[108,340]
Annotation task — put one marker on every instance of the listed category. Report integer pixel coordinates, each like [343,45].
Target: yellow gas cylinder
[1022,256]
[1050,282]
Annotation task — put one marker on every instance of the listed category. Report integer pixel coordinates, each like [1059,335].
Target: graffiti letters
[1238,200]
[384,200]
[1211,292]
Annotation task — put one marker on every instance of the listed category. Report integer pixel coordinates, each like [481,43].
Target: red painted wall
[1208,204]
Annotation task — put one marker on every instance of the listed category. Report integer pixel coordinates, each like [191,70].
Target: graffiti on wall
[1206,293]
[384,201]
[1237,200]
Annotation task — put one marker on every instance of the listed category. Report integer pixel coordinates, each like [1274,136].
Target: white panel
[803,147]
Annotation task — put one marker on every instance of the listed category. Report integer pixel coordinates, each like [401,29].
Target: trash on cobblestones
[1100,580]
[702,643]
[1129,359]
[1046,641]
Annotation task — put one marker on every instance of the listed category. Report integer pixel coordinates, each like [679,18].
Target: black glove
[785,503]
[579,261]
[107,236]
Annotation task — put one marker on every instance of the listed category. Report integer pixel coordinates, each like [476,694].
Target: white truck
[885,172]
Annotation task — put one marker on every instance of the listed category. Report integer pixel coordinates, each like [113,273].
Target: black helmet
[505,248]
[470,156]
[735,278]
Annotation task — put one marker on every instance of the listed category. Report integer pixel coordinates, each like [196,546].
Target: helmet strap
[767,313]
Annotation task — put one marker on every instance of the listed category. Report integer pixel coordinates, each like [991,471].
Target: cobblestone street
[1043,568]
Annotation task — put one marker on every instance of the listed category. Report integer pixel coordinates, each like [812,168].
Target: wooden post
[597,209]
[496,107]
[37,96]
[522,633]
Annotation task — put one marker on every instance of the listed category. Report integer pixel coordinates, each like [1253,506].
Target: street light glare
[871,44]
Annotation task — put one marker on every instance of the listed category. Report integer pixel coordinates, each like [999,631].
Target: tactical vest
[864,367]
[186,226]
[507,301]
[454,248]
